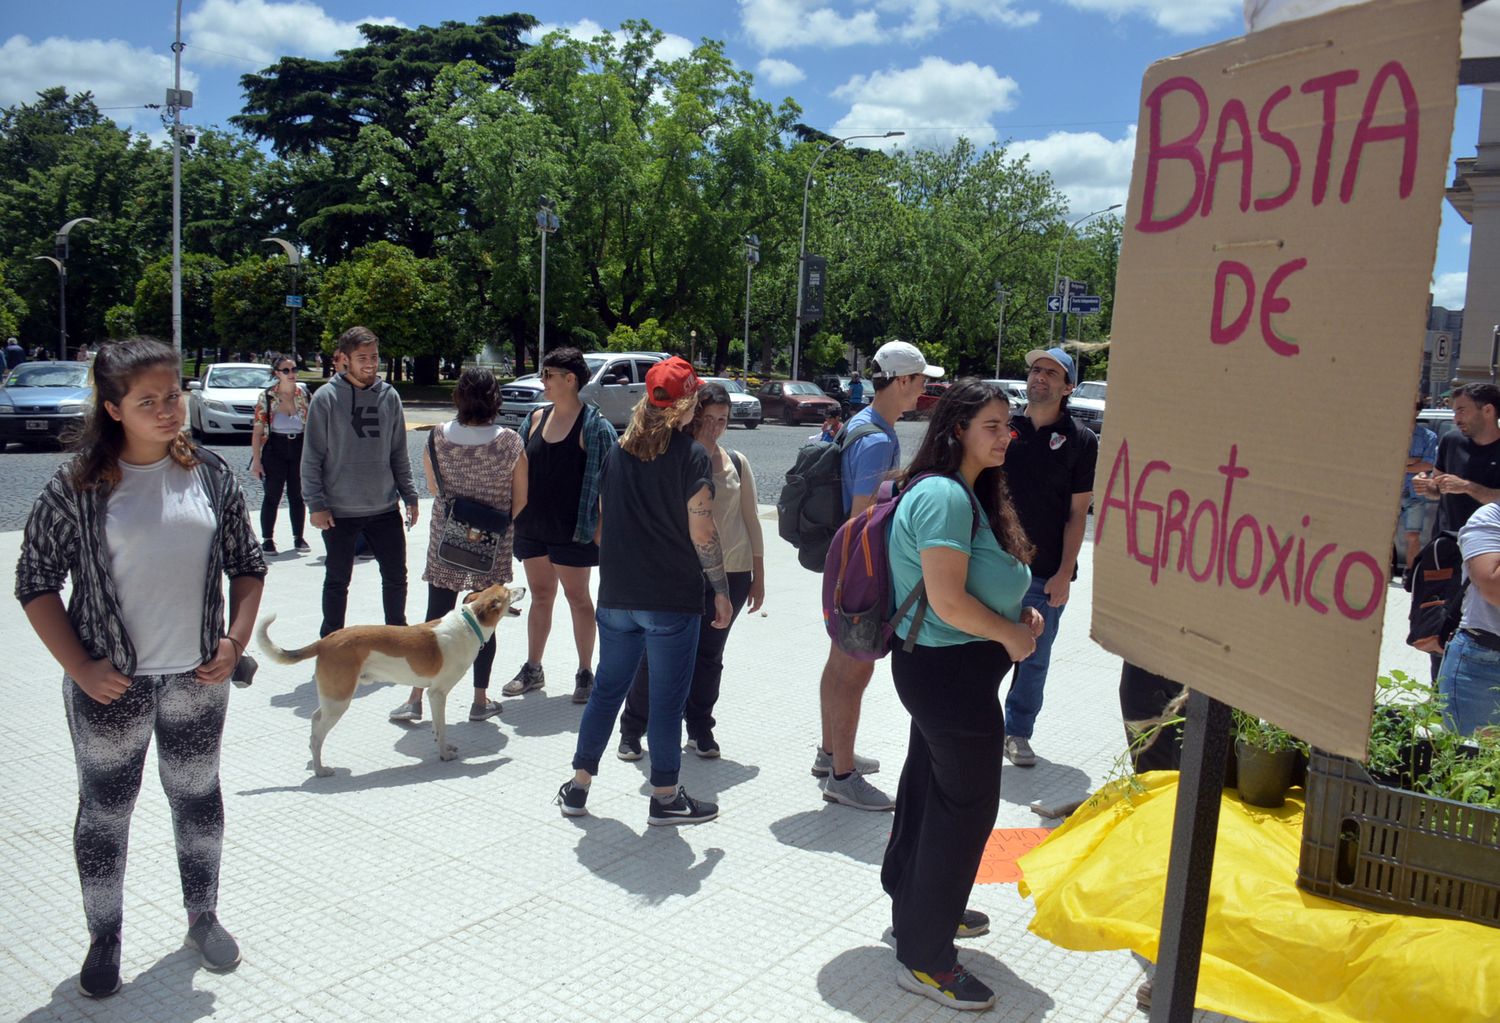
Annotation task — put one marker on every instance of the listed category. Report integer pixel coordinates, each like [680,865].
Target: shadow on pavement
[166,989]
[858,834]
[653,866]
[1049,781]
[304,699]
[387,777]
[862,982]
[538,714]
[704,778]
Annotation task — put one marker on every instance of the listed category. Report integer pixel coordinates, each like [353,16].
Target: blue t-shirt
[867,460]
[1424,444]
[939,512]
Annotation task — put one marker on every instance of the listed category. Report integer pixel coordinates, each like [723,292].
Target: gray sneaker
[856,792]
[1018,751]
[823,764]
[583,685]
[411,710]
[215,945]
[528,678]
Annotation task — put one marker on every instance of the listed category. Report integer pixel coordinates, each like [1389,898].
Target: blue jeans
[1469,682]
[670,641]
[1024,701]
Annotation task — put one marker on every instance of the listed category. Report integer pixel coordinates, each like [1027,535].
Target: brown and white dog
[432,656]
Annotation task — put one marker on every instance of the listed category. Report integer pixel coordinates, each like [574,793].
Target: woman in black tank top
[555,476]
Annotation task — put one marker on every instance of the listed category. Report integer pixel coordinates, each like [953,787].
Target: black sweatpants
[281,457]
[949,793]
[439,603]
[1143,697]
[708,669]
[386,534]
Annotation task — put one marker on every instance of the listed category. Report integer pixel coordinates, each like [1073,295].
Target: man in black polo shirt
[1050,469]
[1466,473]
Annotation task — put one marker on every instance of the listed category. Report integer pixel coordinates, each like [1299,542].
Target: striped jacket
[65,536]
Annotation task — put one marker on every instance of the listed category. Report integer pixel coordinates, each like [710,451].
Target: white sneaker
[411,710]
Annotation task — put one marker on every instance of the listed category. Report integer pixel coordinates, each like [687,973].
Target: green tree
[12,308]
[410,303]
[249,305]
[153,301]
[119,321]
[650,336]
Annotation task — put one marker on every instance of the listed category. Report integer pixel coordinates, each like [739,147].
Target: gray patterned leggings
[109,746]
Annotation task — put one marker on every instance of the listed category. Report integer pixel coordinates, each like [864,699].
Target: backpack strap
[432,457]
[845,438]
[739,463]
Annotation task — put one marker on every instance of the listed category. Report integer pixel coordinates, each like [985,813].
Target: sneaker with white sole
[704,745]
[528,678]
[411,710]
[823,764]
[484,711]
[100,976]
[855,791]
[216,946]
[1018,751]
[572,798]
[681,809]
[630,748]
[956,988]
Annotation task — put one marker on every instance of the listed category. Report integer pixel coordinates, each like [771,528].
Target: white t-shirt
[158,530]
[1480,535]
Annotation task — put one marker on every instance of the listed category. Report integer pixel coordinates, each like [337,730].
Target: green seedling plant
[1261,734]
[1407,711]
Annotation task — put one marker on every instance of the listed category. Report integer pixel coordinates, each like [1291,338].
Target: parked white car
[1015,390]
[222,400]
[1086,404]
[616,382]
[744,407]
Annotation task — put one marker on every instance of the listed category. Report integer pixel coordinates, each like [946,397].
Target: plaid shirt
[598,438]
[65,535]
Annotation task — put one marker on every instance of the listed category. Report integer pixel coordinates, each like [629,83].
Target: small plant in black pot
[1266,756]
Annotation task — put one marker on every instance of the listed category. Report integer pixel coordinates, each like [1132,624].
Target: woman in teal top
[957,531]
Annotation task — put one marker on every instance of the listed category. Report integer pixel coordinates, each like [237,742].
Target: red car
[794,401]
[929,397]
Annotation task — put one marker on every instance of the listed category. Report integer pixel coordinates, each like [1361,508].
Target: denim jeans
[670,640]
[1469,682]
[1024,701]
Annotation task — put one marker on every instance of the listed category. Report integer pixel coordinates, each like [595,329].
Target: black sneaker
[100,976]
[630,748]
[302,546]
[973,924]
[956,988]
[583,684]
[681,809]
[216,946]
[528,678]
[704,745]
[268,545]
[571,798]
[244,671]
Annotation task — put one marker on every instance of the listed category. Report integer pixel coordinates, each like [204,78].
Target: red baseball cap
[673,377]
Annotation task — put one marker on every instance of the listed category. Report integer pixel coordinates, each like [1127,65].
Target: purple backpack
[859,609]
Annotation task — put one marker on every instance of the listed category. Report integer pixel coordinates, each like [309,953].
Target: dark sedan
[42,401]
[794,401]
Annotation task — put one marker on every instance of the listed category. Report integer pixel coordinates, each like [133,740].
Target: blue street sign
[294,301]
[1074,287]
[1054,303]
[1084,304]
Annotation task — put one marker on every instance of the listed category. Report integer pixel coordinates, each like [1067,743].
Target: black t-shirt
[1044,469]
[646,557]
[1463,458]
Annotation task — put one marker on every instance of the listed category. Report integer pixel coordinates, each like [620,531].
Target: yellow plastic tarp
[1272,952]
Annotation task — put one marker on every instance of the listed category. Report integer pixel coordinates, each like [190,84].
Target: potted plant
[1266,756]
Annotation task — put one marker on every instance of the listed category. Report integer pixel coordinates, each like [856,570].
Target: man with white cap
[900,374]
[1050,469]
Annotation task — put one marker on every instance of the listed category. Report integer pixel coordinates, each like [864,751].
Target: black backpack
[1437,593]
[811,506]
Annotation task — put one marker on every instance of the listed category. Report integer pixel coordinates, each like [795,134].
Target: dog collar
[471,622]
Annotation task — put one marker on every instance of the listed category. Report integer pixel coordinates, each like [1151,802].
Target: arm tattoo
[711,557]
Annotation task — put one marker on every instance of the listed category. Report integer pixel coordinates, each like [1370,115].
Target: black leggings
[386,534]
[281,457]
[109,746]
[949,793]
[439,603]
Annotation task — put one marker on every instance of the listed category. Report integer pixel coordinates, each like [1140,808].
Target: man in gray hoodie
[355,471]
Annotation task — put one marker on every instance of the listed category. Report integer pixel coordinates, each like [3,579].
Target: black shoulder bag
[473,531]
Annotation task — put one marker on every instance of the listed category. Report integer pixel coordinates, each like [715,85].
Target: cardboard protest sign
[1270,313]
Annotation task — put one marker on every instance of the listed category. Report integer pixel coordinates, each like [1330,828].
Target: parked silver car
[616,382]
[1086,404]
[223,400]
[42,401]
[744,407]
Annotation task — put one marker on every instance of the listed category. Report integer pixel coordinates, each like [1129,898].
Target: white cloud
[262,31]
[1449,289]
[1091,170]
[672,47]
[786,24]
[924,18]
[1184,17]
[779,72]
[934,102]
[117,73]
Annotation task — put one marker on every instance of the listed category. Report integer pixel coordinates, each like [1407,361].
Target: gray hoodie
[354,459]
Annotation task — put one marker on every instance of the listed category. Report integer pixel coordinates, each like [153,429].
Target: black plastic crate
[1397,851]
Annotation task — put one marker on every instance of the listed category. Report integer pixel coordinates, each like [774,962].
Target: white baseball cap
[900,358]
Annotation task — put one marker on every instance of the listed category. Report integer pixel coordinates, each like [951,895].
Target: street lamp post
[293,298]
[59,262]
[1000,296]
[1057,267]
[177,101]
[546,223]
[752,256]
[802,243]
[693,348]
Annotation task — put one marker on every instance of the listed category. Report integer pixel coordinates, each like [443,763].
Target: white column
[1482,296]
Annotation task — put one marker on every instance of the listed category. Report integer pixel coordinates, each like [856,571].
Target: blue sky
[1058,79]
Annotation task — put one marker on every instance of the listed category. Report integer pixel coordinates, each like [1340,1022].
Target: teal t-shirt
[938,512]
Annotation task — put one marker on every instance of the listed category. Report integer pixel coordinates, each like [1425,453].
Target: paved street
[407,888]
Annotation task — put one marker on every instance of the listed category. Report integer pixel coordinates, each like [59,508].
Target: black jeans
[281,457]
[708,670]
[386,534]
[1143,697]
[948,796]
[439,603]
